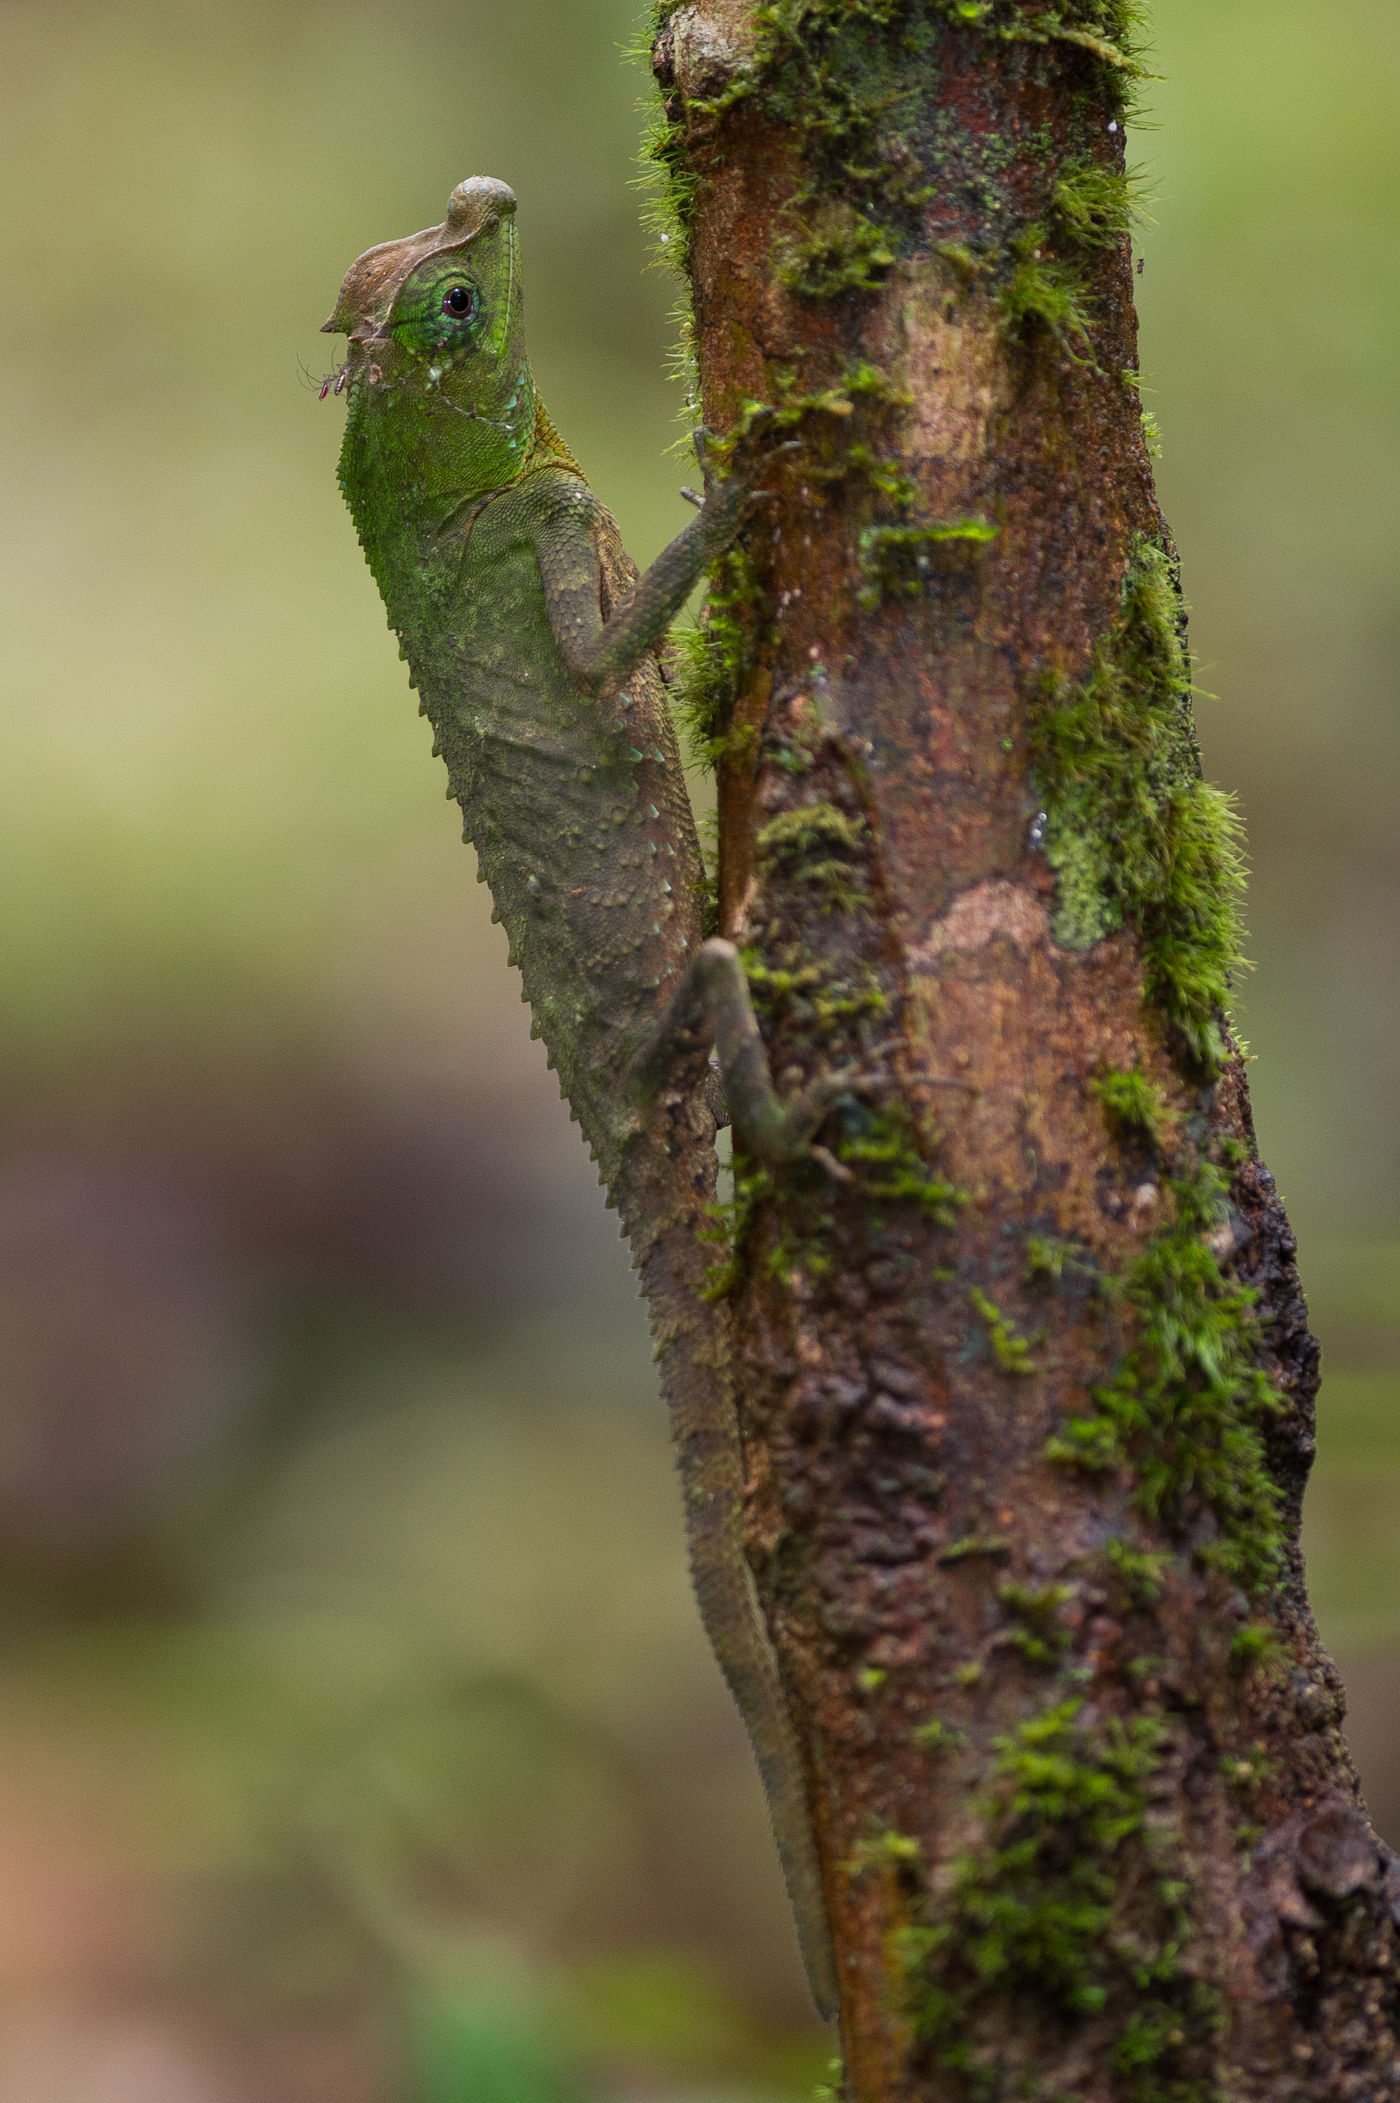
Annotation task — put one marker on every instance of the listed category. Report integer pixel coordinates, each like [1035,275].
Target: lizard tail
[704,1425]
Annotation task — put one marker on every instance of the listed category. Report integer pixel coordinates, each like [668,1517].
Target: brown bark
[1088,1823]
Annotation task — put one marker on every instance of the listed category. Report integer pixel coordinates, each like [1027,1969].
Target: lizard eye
[460,301]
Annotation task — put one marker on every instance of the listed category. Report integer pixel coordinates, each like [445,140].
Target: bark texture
[1027,1385]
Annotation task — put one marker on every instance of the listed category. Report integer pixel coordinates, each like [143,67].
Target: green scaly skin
[531,640]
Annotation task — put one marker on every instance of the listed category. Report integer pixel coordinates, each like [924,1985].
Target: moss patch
[848,438]
[843,437]
[836,73]
[881,1146]
[1140,1572]
[842,252]
[896,559]
[1066,1839]
[1041,292]
[1186,1408]
[1134,1107]
[1093,203]
[712,659]
[1038,1630]
[1048,1259]
[1010,1349]
[817,846]
[1133,833]
[938,1738]
[997,1546]
[878,1146]
[856,85]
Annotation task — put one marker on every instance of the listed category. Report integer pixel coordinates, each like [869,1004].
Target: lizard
[532,641]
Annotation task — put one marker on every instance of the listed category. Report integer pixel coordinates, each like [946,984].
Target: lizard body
[531,640]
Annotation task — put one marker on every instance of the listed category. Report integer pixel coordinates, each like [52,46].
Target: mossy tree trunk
[1026,1380]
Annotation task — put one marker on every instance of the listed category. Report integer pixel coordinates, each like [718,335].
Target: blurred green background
[357,1739]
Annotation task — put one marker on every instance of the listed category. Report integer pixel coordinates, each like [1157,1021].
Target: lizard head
[436,367]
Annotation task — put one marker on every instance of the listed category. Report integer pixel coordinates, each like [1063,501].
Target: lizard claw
[791,1135]
[707,443]
[748,459]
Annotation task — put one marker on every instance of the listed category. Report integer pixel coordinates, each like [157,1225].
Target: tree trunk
[1027,1385]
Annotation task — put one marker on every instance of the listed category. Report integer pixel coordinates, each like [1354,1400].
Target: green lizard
[532,642]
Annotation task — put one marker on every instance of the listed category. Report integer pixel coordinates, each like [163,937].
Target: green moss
[1151,430]
[712,659]
[963,261]
[1048,1258]
[820,847]
[836,72]
[1048,29]
[791,840]
[855,84]
[1134,835]
[1255,1645]
[666,180]
[1092,203]
[1029,1912]
[1141,1573]
[885,1850]
[852,81]
[725,1228]
[861,387]
[1040,1635]
[1185,1410]
[881,1145]
[995,1545]
[895,559]
[843,429]
[813,995]
[844,252]
[938,1738]
[1089,206]
[1134,1107]
[1043,293]
[845,439]
[1010,1349]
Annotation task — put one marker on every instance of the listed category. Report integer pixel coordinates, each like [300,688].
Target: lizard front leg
[600,649]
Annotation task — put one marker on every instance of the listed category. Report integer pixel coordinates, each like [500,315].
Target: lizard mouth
[364,337]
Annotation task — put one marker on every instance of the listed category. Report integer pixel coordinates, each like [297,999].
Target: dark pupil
[458,301]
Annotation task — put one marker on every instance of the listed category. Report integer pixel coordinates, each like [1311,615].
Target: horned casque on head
[373,279]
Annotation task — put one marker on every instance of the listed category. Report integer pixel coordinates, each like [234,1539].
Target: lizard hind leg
[714,1008]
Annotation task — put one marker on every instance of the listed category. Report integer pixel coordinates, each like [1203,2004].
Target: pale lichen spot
[977,916]
[955,370]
